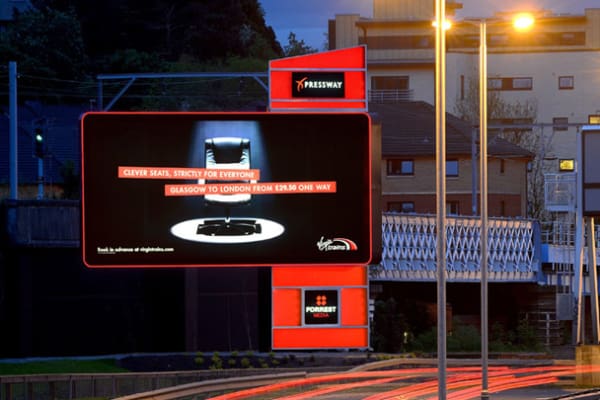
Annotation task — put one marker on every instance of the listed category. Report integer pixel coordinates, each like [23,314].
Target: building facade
[553,68]
[408,166]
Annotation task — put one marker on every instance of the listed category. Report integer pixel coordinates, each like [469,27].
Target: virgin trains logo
[336,244]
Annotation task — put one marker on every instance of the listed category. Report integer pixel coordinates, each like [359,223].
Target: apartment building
[552,68]
[408,168]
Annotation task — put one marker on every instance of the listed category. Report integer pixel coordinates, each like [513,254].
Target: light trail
[464,383]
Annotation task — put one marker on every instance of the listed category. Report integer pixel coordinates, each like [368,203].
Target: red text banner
[133,172]
[252,188]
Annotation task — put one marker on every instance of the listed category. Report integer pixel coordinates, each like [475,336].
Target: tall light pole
[483,192]
[440,153]
[521,22]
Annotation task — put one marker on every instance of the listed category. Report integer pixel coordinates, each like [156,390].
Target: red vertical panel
[287,307]
[354,306]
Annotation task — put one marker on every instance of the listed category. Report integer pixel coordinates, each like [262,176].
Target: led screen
[320,307]
[226,189]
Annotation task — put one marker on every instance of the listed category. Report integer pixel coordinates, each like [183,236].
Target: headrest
[228,149]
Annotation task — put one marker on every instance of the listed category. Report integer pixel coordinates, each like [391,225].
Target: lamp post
[521,22]
[483,193]
[440,153]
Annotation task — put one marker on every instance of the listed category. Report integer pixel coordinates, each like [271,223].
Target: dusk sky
[308,18]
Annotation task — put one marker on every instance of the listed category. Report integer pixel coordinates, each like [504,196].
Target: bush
[216,361]
[426,341]
[464,338]
[199,359]
[525,337]
[245,363]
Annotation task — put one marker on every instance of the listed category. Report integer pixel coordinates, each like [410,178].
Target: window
[494,83]
[462,87]
[452,208]
[594,119]
[502,208]
[510,83]
[522,123]
[452,168]
[571,38]
[522,83]
[389,89]
[398,42]
[401,206]
[566,82]
[560,123]
[566,165]
[389,83]
[502,165]
[498,40]
[397,166]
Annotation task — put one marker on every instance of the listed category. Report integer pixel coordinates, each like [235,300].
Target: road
[463,383]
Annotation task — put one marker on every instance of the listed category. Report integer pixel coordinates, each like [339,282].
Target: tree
[200,29]
[146,36]
[47,46]
[296,47]
[530,138]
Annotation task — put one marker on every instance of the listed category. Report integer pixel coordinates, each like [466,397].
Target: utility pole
[13,145]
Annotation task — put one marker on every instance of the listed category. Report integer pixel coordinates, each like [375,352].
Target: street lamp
[440,154]
[522,21]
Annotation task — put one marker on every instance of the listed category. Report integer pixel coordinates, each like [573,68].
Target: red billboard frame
[349,64]
[119,171]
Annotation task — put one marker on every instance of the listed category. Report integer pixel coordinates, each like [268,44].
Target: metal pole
[593,273]
[13,137]
[483,177]
[99,100]
[40,194]
[474,204]
[579,238]
[440,152]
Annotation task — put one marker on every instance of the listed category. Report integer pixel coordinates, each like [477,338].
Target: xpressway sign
[318,84]
[324,81]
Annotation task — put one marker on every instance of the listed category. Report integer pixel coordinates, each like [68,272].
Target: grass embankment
[65,366]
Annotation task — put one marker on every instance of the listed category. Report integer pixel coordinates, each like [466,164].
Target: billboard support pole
[593,272]
[13,127]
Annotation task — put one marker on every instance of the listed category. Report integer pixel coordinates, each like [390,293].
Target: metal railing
[390,95]
[409,249]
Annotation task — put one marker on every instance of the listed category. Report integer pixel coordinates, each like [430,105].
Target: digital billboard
[226,189]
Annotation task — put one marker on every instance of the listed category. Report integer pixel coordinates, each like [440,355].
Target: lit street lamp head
[446,25]
[523,21]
